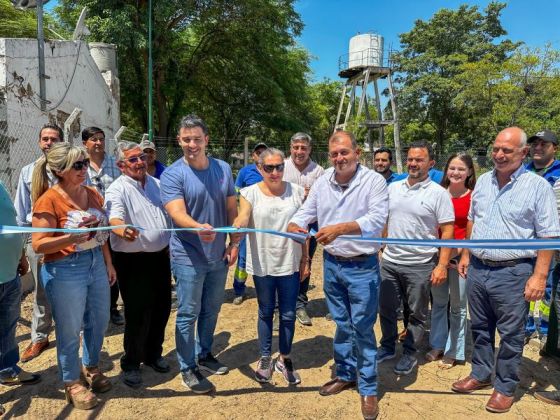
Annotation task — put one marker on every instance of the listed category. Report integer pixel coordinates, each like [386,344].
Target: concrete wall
[73,81]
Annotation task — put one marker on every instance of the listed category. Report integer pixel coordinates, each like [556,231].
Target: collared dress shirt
[22,200]
[364,201]
[108,172]
[525,208]
[128,200]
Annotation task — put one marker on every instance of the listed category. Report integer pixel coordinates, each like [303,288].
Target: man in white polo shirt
[418,207]
[141,259]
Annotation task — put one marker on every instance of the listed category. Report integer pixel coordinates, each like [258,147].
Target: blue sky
[329,24]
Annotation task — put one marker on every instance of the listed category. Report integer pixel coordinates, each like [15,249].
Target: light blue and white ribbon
[534,244]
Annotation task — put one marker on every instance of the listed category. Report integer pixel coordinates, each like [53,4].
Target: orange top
[68,216]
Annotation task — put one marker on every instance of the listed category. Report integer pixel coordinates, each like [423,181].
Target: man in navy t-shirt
[248,175]
[197,192]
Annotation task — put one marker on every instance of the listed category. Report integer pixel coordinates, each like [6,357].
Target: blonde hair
[59,159]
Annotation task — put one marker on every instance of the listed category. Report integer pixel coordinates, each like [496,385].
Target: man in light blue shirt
[197,192]
[509,202]
[349,199]
[41,321]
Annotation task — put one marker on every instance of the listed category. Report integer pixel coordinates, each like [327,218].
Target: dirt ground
[424,394]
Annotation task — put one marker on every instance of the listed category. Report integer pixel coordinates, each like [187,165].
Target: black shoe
[211,365]
[196,382]
[160,365]
[132,378]
[116,317]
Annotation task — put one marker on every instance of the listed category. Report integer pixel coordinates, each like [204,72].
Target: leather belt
[355,258]
[506,263]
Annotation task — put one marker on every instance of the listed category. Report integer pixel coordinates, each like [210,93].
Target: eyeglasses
[135,159]
[270,168]
[80,164]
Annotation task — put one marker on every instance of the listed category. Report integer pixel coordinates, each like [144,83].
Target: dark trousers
[304,285]
[552,347]
[10,303]
[114,288]
[497,302]
[145,284]
[410,284]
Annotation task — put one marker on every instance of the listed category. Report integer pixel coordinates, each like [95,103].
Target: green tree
[20,23]
[431,68]
[236,63]
[523,90]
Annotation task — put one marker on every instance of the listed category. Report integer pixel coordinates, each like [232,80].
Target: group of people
[73,187]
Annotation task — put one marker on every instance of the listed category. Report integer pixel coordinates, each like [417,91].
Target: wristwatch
[234,244]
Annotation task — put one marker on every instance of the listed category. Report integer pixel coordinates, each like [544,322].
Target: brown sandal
[79,396]
[97,381]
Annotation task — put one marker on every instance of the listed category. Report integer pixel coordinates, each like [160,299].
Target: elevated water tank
[366,50]
[105,56]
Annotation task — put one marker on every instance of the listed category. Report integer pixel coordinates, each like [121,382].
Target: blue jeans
[496,302]
[267,288]
[453,291]
[200,293]
[240,274]
[77,287]
[10,300]
[352,294]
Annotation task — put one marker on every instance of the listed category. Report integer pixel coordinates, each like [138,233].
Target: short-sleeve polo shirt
[415,212]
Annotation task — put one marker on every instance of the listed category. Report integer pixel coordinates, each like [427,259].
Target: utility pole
[29,4]
[150,74]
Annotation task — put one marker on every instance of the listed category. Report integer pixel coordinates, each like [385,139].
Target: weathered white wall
[73,81]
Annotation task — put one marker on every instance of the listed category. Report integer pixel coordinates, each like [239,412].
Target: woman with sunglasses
[448,344]
[77,269]
[276,263]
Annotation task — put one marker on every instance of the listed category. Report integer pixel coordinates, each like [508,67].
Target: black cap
[259,146]
[545,135]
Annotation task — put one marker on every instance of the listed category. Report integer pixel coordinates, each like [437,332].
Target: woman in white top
[274,261]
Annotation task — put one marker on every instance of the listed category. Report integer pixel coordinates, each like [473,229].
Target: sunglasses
[270,168]
[135,159]
[80,164]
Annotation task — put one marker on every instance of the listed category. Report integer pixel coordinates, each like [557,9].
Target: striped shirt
[108,172]
[525,208]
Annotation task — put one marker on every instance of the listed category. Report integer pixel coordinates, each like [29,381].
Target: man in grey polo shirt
[418,207]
